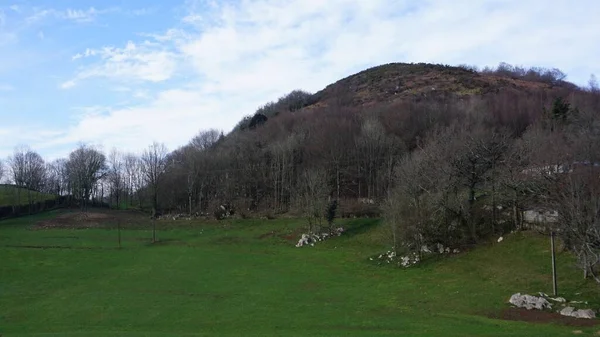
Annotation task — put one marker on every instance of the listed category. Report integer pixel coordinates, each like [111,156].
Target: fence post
[119,232]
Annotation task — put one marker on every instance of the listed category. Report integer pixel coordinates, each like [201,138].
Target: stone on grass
[558,299]
[529,302]
[581,313]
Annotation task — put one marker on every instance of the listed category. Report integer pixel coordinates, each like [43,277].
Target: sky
[126,73]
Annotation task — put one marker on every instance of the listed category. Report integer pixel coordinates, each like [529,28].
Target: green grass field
[243,278]
[9,196]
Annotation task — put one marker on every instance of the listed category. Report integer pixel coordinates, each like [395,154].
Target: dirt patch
[538,316]
[294,236]
[95,218]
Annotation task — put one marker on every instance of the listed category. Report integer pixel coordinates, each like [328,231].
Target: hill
[355,132]
[11,195]
[401,81]
[396,82]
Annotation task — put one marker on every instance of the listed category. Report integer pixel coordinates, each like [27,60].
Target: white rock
[568,311]
[558,299]
[581,313]
[585,313]
[529,302]
[500,239]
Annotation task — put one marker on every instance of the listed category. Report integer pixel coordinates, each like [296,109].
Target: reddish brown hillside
[400,81]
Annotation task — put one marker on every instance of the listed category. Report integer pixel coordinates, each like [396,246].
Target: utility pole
[554,285]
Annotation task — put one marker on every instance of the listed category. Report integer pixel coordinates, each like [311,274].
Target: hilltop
[401,81]
[394,83]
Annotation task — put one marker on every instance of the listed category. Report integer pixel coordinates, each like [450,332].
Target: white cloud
[134,62]
[81,15]
[68,84]
[74,15]
[87,53]
[229,59]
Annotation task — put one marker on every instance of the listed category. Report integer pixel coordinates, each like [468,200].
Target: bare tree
[1,170]
[206,139]
[315,192]
[116,175]
[133,175]
[154,163]
[86,166]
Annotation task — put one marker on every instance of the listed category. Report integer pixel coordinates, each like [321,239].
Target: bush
[331,210]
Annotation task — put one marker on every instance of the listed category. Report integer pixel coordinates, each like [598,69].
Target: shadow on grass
[360,226]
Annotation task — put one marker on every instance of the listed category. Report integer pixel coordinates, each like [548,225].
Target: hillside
[401,81]
[355,131]
[11,195]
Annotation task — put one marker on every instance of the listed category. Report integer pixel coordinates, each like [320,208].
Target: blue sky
[119,73]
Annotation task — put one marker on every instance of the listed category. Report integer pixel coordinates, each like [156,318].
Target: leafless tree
[133,176]
[315,193]
[154,163]
[116,175]
[86,166]
[206,139]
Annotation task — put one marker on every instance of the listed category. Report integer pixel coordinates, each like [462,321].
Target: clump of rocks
[413,258]
[529,302]
[311,239]
[542,302]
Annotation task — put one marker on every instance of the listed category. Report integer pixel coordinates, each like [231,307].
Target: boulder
[529,302]
[585,313]
[568,311]
[581,313]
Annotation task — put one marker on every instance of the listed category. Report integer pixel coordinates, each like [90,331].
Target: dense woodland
[449,155]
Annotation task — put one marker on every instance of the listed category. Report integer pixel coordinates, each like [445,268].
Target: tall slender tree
[154,163]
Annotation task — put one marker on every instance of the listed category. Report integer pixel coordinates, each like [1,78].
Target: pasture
[63,274]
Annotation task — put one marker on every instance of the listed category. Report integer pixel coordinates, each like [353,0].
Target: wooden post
[554,285]
[119,232]
[153,230]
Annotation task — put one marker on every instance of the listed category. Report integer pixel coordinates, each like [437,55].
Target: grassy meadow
[246,278]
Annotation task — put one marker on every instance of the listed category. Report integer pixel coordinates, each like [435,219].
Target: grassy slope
[224,280]
[8,196]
